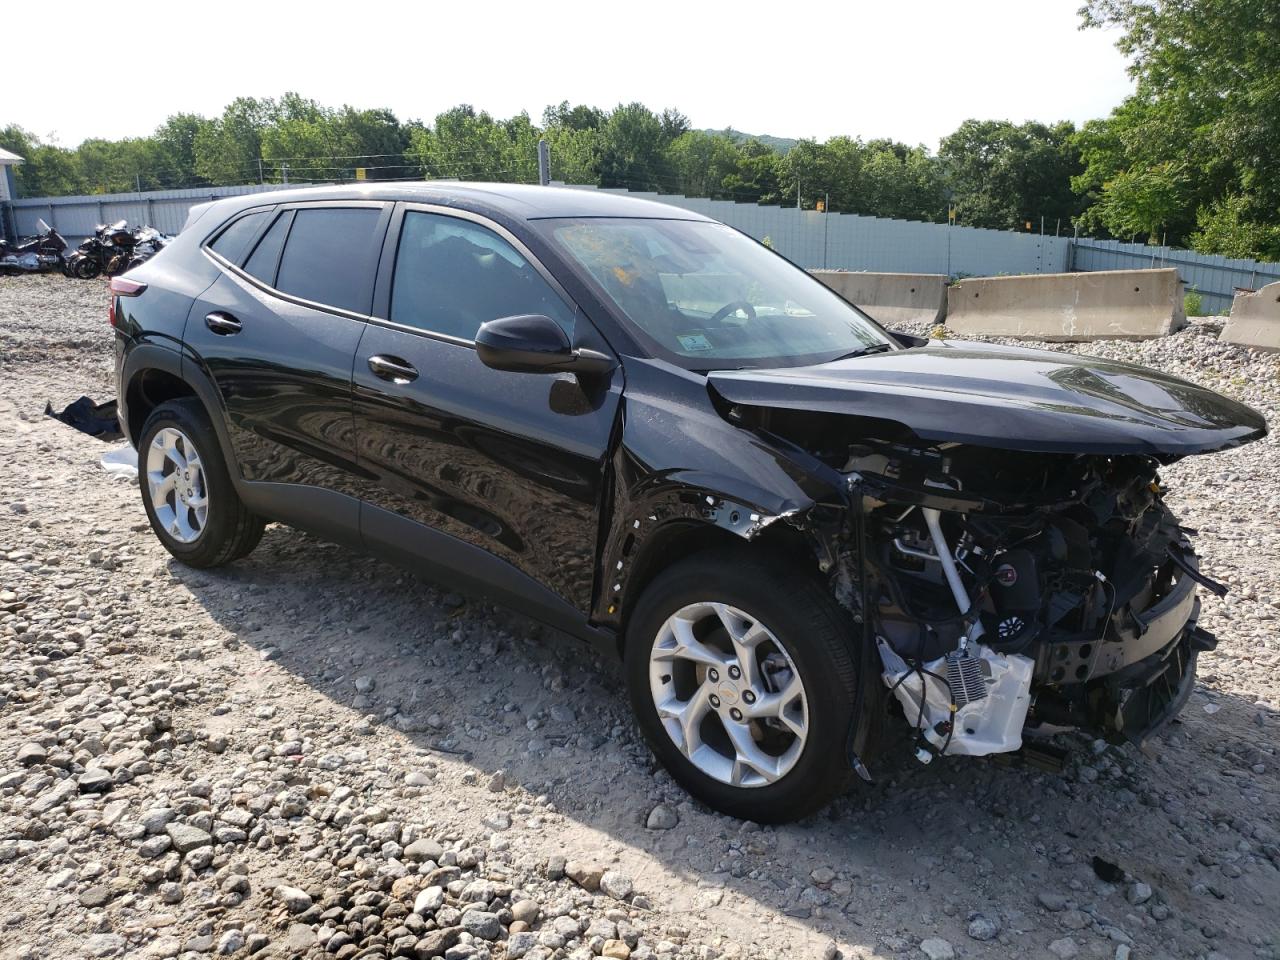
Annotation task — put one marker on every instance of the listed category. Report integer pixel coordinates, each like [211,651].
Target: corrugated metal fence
[76,217]
[813,240]
[846,241]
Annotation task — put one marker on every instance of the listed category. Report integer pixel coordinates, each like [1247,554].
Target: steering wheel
[729,308]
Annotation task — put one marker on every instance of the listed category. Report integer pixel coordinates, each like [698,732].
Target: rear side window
[330,257]
[233,242]
[453,275]
[266,255]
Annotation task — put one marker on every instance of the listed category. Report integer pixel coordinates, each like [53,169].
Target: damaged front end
[1003,537]
[1063,595]
[1006,591]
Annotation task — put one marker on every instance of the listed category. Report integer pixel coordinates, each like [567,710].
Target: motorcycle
[39,254]
[150,242]
[114,249]
[108,250]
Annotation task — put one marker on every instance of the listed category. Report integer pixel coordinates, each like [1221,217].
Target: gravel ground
[311,754]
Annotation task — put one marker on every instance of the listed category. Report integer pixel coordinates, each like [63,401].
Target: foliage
[296,139]
[1226,228]
[1193,303]
[1003,175]
[1195,152]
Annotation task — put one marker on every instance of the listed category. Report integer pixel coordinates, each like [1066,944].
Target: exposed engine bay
[1062,594]
[1009,592]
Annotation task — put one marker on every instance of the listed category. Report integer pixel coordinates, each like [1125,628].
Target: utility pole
[137,179]
[544,163]
[797,193]
[260,180]
[284,172]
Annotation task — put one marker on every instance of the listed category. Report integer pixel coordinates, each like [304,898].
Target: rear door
[509,463]
[277,334]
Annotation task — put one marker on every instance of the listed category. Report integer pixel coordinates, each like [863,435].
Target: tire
[226,530]
[817,639]
[85,268]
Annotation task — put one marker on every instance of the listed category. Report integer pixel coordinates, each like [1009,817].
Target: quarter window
[266,256]
[330,257]
[453,275]
[234,241]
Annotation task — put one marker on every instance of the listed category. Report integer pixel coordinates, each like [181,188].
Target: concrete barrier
[891,298]
[1106,305]
[1255,319]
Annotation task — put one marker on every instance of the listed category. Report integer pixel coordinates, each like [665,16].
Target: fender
[142,356]
[681,466]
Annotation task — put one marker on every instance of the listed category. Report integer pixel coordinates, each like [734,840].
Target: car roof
[518,200]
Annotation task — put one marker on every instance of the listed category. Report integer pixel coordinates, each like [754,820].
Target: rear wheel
[187,491]
[85,268]
[742,678]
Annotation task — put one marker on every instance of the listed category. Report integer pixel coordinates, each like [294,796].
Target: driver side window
[452,275]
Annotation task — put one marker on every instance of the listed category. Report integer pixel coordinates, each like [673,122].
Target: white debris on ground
[312,754]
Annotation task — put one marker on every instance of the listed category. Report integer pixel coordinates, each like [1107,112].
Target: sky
[910,70]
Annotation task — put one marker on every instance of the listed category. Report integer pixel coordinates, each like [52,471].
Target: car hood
[1009,398]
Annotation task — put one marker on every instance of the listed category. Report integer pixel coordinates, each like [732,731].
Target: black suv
[646,429]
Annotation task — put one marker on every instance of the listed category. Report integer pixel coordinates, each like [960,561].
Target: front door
[510,463]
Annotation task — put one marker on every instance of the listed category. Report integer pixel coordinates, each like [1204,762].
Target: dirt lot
[311,754]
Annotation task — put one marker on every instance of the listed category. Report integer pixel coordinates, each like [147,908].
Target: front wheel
[742,676]
[187,491]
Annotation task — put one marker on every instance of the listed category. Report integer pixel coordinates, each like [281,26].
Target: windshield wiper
[874,348]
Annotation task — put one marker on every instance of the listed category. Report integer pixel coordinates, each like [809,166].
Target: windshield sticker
[693,342]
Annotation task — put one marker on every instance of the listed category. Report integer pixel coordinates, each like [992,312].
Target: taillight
[122,287]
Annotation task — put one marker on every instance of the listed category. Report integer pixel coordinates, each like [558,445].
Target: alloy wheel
[176,484]
[728,694]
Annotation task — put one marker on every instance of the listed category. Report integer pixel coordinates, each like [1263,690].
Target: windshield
[42,227]
[707,297]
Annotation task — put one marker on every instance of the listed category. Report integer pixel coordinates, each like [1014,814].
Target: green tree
[1142,201]
[467,145]
[882,178]
[575,154]
[1002,174]
[632,149]
[903,182]
[1225,228]
[701,163]
[756,174]
[48,170]
[177,141]
[229,149]
[573,118]
[1208,102]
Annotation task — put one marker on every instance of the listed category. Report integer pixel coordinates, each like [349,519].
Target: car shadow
[913,854]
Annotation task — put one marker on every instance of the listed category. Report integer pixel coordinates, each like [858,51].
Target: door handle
[223,324]
[393,369]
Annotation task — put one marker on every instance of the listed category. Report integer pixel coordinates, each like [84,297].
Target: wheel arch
[154,374]
[679,539]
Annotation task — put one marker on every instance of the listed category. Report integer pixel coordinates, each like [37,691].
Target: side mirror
[532,343]
[909,340]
